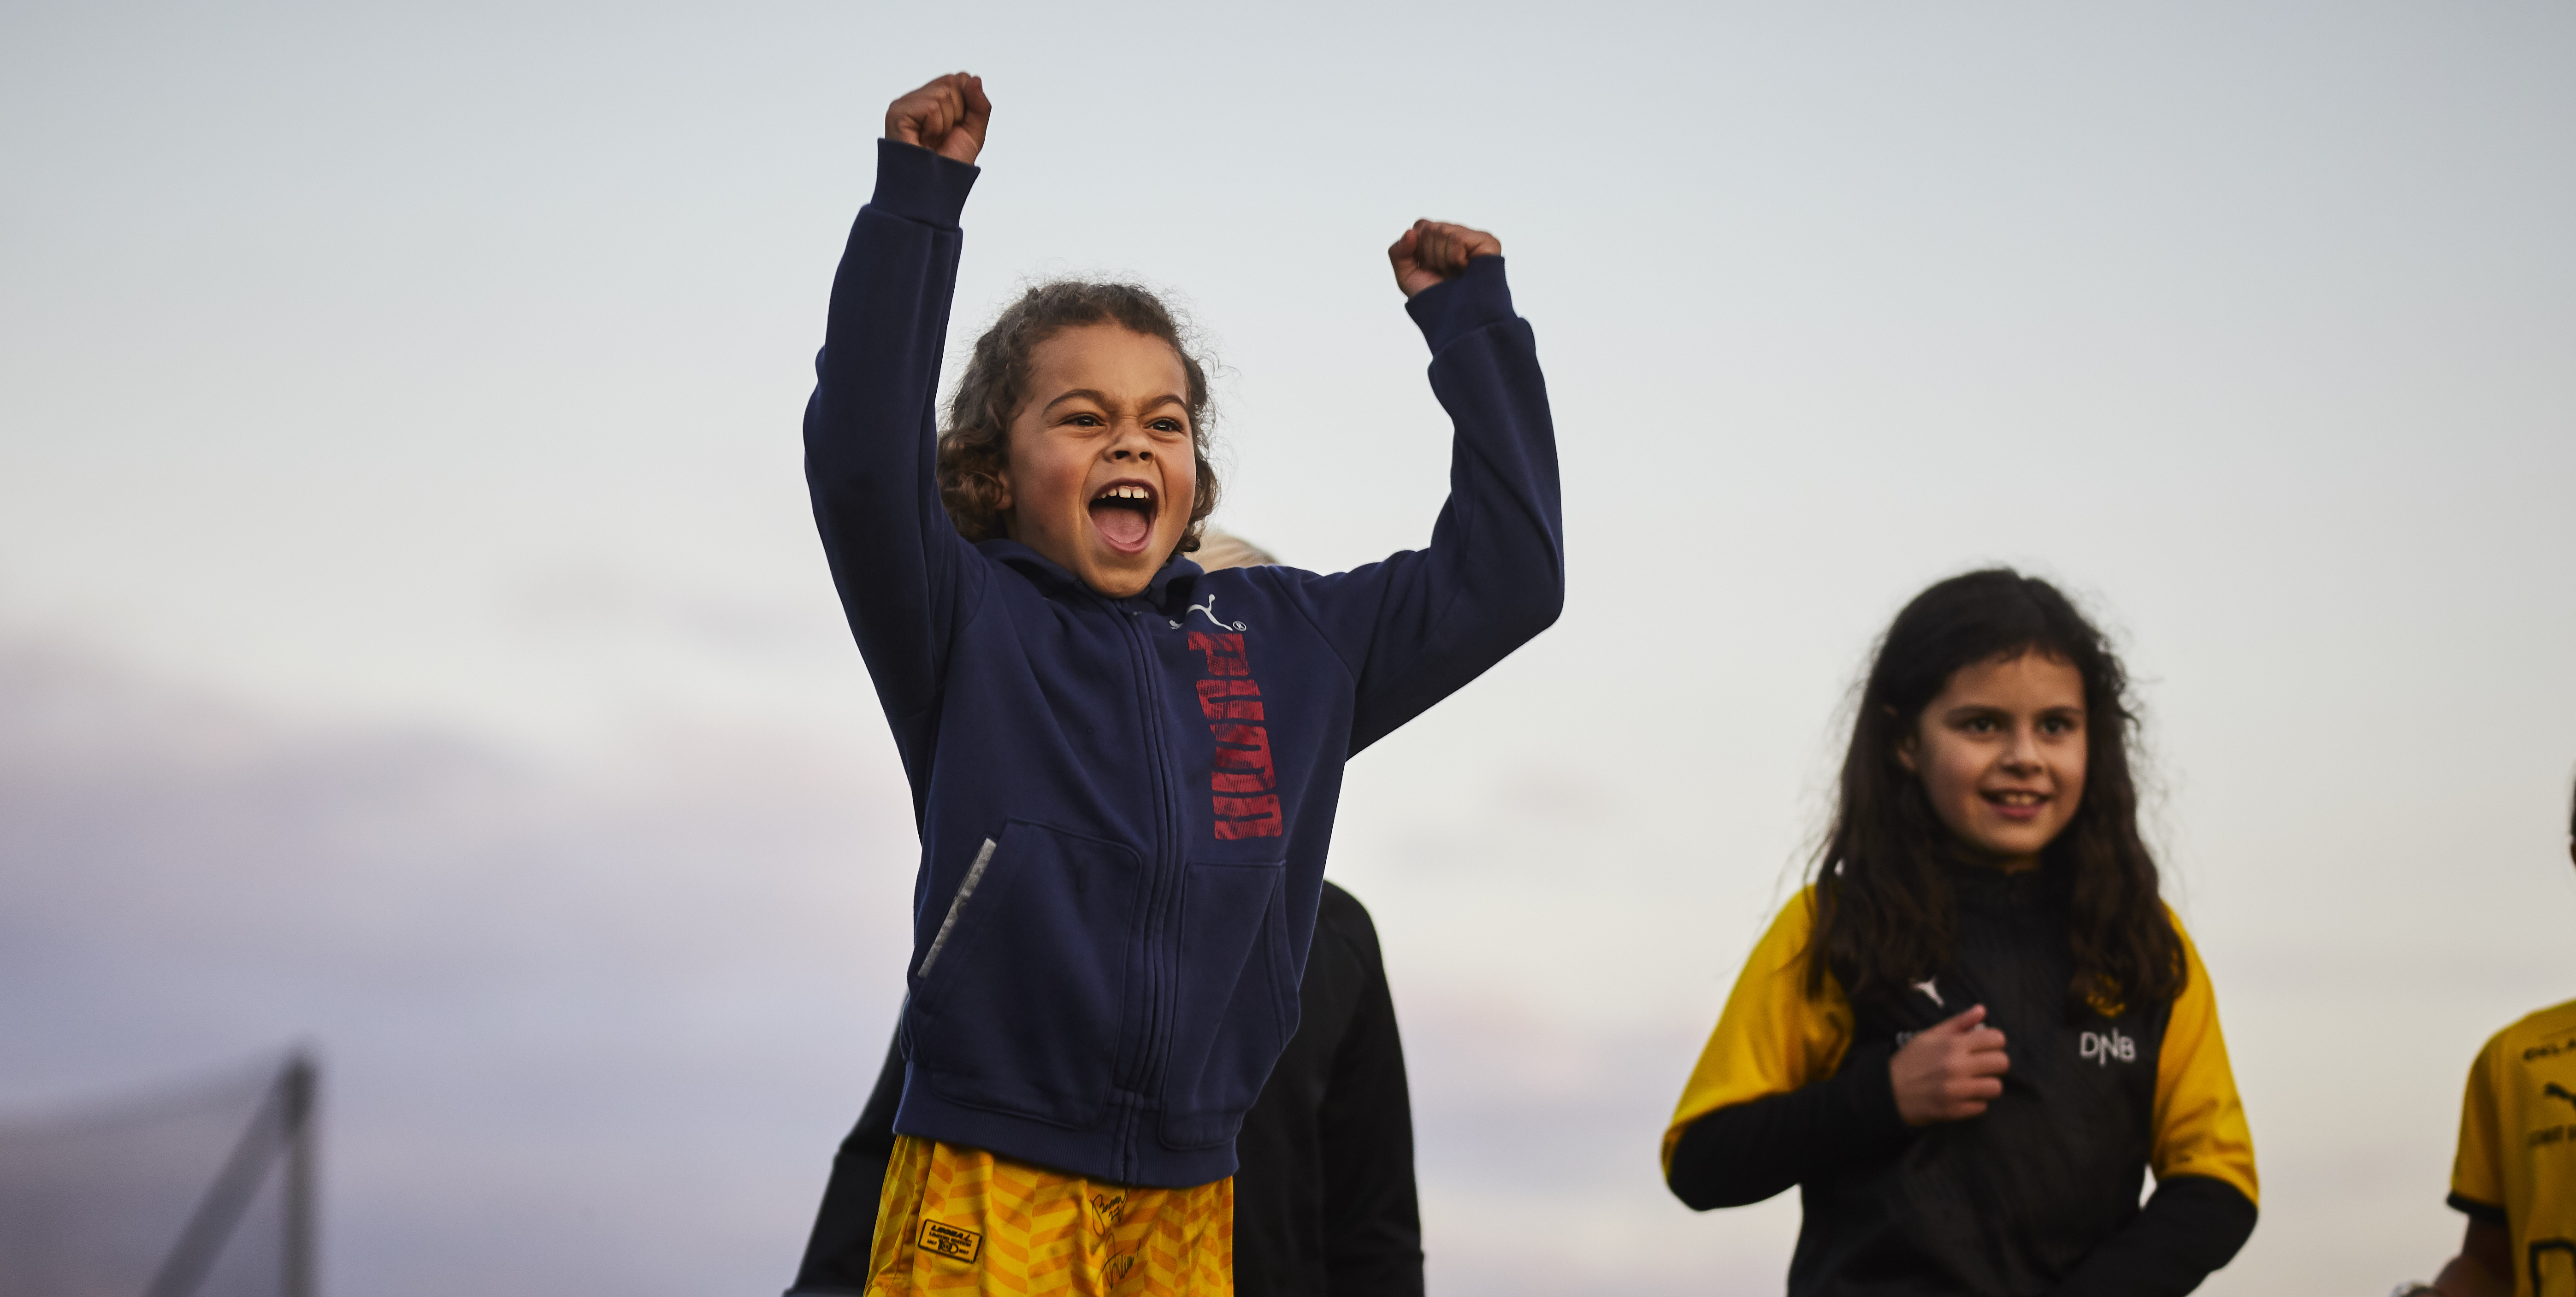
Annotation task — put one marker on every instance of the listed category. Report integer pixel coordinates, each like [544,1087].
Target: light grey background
[412,638]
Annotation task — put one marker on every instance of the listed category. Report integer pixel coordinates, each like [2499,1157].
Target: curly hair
[975,445]
[1883,903]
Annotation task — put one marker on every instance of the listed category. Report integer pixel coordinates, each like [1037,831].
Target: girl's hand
[947,117]
[1950,1072]
[1434,250]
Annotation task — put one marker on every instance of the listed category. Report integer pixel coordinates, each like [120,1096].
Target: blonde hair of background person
[1224,549]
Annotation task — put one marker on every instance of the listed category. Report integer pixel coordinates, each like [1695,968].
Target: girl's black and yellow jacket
[2039,1195]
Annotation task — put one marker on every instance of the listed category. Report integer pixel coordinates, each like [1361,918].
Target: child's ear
[1001,479]
[1904,747]
[1005,521]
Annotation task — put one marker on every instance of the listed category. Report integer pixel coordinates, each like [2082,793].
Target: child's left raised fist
[1435,250]
[948,116]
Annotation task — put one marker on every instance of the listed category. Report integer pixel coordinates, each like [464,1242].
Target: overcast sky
[413,639]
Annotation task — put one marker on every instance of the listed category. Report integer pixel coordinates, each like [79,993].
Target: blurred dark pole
[283,1126]
[301,1086]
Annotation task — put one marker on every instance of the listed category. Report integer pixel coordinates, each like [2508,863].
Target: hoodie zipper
[1160,976]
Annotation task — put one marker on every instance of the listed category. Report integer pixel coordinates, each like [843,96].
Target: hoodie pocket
[1238,1000]
[1020,1006]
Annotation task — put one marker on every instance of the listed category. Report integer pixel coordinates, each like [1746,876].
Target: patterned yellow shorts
[961,1220]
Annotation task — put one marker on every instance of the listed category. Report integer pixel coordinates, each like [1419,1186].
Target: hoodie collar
[1175,577]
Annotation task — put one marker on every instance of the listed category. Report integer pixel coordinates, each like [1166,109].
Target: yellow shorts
[961,1220]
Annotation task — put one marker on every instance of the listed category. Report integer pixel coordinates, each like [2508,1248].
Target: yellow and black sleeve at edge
[2477,1170]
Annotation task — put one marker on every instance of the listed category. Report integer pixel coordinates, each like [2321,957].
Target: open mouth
[1123,514]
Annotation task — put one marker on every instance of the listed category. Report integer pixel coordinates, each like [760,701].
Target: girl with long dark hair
[1976,1032]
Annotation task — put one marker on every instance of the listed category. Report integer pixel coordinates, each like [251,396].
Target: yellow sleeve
[2200,1122]
[2477,1171]
[1771,1039]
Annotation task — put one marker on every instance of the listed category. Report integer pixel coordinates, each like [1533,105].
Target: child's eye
[1167,425]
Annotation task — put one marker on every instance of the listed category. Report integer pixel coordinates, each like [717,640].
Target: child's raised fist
[947,117]
[1435,250]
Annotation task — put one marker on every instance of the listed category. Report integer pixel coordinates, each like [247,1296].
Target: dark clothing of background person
[1324,1202]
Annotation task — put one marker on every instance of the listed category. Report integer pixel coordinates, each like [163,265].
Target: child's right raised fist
[947,117]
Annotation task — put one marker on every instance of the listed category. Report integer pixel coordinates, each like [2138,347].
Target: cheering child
[1124,769]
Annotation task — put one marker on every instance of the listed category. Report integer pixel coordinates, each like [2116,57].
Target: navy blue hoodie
[1124,804]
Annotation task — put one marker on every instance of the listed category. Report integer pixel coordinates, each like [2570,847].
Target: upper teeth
[1126,493]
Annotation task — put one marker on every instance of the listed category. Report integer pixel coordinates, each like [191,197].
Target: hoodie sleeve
[1415,628]
[872,422]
